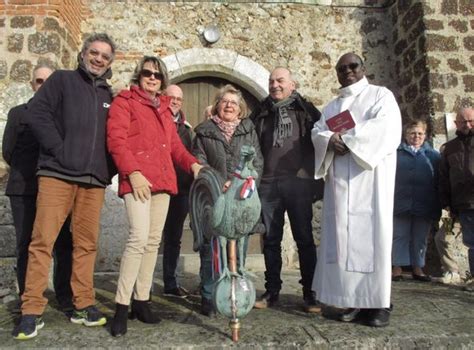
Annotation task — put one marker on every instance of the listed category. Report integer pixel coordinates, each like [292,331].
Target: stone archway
[219,63]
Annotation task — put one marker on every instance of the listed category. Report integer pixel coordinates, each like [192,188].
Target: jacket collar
[99,81]
[406,147]
[163,102]
[268,103]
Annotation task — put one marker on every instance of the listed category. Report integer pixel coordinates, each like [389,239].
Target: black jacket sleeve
[43,112]
[12,129]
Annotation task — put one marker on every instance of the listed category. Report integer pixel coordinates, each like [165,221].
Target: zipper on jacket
[94,140]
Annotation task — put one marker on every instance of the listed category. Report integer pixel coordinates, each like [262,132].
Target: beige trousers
[139,258]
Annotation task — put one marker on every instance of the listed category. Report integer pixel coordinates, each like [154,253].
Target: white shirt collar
[354,89]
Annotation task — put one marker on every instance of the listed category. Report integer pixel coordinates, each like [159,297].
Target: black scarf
[283,127]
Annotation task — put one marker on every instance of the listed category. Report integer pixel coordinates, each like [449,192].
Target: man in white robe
[358,165]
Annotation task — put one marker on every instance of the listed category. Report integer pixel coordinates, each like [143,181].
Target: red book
[341,122]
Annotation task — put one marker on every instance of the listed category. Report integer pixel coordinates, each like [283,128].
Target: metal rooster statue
[228,217]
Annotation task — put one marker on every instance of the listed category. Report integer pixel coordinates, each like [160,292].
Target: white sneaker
[469,287]
[450,277]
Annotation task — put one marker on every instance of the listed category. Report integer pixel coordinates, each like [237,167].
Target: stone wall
[434,53]
[32,31]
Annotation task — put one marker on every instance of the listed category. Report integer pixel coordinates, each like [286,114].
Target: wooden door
[200,92]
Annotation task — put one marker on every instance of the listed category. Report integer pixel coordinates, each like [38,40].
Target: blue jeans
[409,240]
[295,196]
[172,233]
[466,218]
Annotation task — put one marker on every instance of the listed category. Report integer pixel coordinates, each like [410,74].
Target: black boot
[141,310]
[207,308]
[119,323]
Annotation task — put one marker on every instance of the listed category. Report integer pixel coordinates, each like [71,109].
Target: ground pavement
[425,316]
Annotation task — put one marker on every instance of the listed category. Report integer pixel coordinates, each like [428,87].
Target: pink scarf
[227,128]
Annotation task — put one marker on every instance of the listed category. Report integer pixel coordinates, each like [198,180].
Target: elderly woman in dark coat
[416,203]
[217,143]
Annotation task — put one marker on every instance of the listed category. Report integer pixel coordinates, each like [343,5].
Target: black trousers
[294,196]
[172,233]
[23,212]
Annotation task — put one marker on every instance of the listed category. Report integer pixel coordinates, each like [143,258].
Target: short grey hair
[103,37]
[45,64]
[230,89]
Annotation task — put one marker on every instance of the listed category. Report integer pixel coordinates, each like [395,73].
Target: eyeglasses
[351,66]
[148,73]
[178,99]
[96,53]
[229,102]
[39,81]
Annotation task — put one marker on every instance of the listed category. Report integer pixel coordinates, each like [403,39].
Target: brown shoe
[268,299]
[311,305]
[313,309]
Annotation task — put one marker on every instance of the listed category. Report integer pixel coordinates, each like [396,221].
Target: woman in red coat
[144,144]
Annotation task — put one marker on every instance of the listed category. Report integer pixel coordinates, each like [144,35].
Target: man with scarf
[68,118]
[283,122]
[456,181]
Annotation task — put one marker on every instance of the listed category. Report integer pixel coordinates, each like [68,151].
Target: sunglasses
[39,81]
[351,66]
[148,73]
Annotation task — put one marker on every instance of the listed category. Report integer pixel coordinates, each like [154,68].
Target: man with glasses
[68,118]
[178,207]
[456,181]
[358,163]
[283,122]
[21,150]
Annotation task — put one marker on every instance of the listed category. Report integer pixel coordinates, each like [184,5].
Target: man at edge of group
[358,165]
[179,206]
[456,182]
[283,122]
[21,150]
[68,118]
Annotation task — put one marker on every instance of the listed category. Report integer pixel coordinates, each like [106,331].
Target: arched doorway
[200,92]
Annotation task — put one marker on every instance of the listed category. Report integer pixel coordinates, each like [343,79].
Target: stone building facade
[422,50]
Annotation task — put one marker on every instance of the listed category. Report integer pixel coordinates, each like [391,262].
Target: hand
[196,168]
[140,185]
[337,144]
[451,214]
[226,186]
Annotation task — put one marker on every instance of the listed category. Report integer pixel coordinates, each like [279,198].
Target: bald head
[176,94]
[281,84]
[350,69]
[40,74]
[465,120]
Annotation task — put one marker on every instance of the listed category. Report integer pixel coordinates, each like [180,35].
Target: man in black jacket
[21,150]
[179,206]
[68,118]
[456,180]
[283,122]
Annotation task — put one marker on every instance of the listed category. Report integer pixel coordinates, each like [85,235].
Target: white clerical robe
[354,260]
